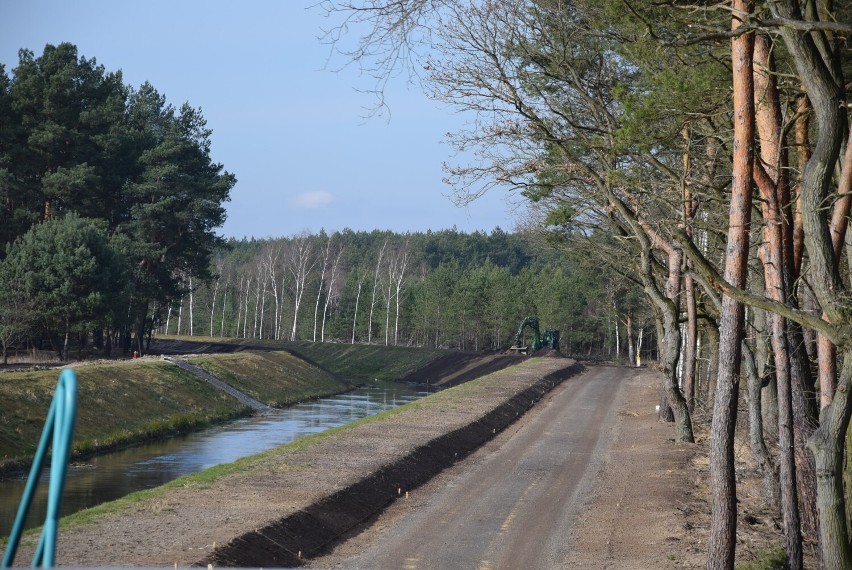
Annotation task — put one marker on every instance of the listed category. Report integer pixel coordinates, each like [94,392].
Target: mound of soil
[313,530]
[459,367]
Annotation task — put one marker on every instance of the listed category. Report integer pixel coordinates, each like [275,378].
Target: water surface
[108,477]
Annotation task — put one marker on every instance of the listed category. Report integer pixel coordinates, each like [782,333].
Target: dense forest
[442,289]
[108,199]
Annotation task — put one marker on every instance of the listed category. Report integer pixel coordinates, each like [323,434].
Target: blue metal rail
[59,427]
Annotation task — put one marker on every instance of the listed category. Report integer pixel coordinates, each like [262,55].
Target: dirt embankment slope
[457,368]
[280,507]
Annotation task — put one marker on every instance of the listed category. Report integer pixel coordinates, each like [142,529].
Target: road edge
[312,531]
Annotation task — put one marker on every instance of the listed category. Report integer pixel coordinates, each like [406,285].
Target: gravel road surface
[515,508]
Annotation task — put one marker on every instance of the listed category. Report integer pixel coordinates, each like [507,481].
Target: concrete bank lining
[312,530]
[202,374]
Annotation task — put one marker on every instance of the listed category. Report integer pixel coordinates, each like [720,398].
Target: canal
[108,477]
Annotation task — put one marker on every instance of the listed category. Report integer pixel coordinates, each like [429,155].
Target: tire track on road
[515,508]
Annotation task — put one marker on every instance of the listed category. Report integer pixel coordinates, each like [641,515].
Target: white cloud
[313,199]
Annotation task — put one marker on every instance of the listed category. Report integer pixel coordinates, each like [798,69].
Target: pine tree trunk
[759,451]
[828,444]
[770,175]
[723,524]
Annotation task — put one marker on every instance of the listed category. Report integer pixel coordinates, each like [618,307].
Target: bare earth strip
[589,479]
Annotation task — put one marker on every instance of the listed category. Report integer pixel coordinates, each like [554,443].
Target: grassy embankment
[118,404]
[275,378]
[123,403]
[360,362]
[354,362]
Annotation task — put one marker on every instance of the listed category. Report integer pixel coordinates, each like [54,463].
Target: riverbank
[358,362]
[127,402]
[121,403]
[308,491]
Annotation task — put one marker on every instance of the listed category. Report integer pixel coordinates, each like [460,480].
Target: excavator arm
[550,338]
[531,322]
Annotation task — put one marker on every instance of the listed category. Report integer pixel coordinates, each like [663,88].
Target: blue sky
[292,130]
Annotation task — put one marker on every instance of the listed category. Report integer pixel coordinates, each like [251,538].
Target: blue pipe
[59,427]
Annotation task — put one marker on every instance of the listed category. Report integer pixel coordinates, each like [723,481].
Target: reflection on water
[111,476]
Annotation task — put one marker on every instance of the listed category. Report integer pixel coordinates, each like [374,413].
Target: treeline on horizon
[443,289]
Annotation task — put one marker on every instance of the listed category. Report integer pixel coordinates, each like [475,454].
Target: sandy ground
[641,512]
[652,508]
[648,508]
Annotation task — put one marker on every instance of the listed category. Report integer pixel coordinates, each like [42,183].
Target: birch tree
[324,266]
[220,264]
[271,254]
[379,259]
[361,277]
[401,264]
[332,293]
[300,263]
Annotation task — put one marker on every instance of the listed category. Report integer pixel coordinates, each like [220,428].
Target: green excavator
[548,339]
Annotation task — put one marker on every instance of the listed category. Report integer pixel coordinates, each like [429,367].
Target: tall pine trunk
[723,524]
[771,180]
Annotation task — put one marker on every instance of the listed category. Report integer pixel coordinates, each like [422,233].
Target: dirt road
[514,508]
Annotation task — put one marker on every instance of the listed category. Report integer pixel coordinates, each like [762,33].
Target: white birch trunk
[180,314]
[262,308]
[357,300]
[321,284]
[190,305]
[256,309]
[213,306]
[245,312]
[330,293]
[239,306]
[224,304]
[375,286]
[400,276]
[300,266]
[639,348]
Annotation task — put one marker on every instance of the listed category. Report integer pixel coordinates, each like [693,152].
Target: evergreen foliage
[82,152]
[452,294]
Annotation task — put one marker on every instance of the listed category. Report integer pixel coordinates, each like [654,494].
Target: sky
[290,125]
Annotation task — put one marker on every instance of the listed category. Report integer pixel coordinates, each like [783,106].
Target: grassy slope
[117,404]
[125,402]
[357,362]
[365,362]
[274,378]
